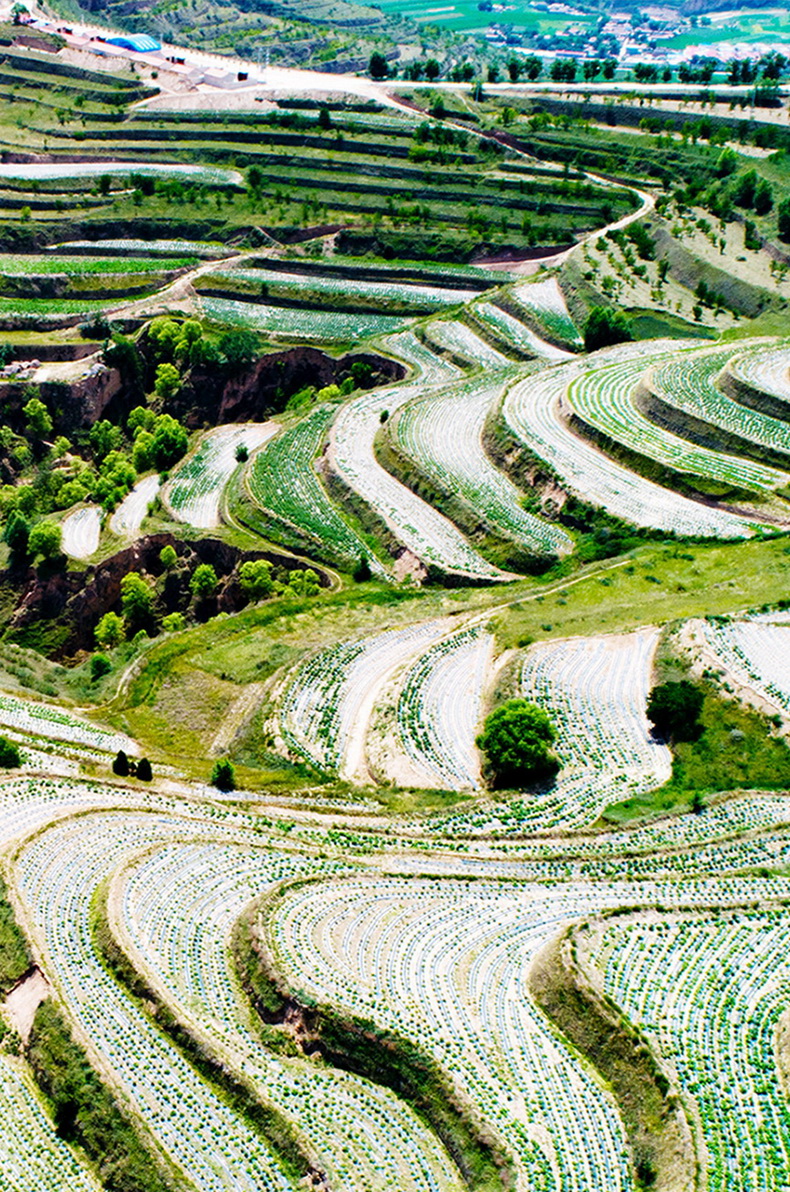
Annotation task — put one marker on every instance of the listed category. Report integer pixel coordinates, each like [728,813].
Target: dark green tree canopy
[516,742]
[605,326]
[674,710]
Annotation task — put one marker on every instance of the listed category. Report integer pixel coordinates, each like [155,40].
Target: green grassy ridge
[360,1046]
[238,1094]
[88,1113]
[16,957]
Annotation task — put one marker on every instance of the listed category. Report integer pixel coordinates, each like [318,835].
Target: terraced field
[443,436]
[533,411]
[311,943]
[194,493]
[283,483]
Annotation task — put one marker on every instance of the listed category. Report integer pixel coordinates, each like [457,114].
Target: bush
[10,757]
[674,710]
[516,742]
[100,666]
[144,770]
[223,775]
[173,622]
[605,326]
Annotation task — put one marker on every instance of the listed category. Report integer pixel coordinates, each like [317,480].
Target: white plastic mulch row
[33,1158]
[767,370]
[328,703]
[546,303]
[440,707]
[429,535]
[194,492]
[532,410]
[443,434]
[130,514]
[81,531]
[461,340]
[756,653]
[178,908]
[48,720]
[710,990]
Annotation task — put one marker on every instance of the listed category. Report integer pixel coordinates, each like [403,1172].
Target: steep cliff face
[76,600]
[214,396]
[74,405]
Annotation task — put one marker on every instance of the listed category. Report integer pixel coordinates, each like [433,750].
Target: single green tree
[100,666]
[378,66]
[674,710]
[17,533]
[45,540]
[516,743]
[120,765]
[144,770]
[432,70]
[203,584]
[223,775]
[10,757]
[137,600]
[110,631]
[38,421]
[167,381]
[168,557]
[605,326]
[239,347]
[783,219]
[170,441]
[173,622]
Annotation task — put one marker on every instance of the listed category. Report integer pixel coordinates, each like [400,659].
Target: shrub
[223,775]
[516,742]
[242,453]
[10,757]
[173,622]
[674,710]
[144,770]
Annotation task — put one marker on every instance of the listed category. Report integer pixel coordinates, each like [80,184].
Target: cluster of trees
[139,598]
[129,767]
[605,326]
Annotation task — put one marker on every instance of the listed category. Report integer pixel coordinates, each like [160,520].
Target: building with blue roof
[140,43]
